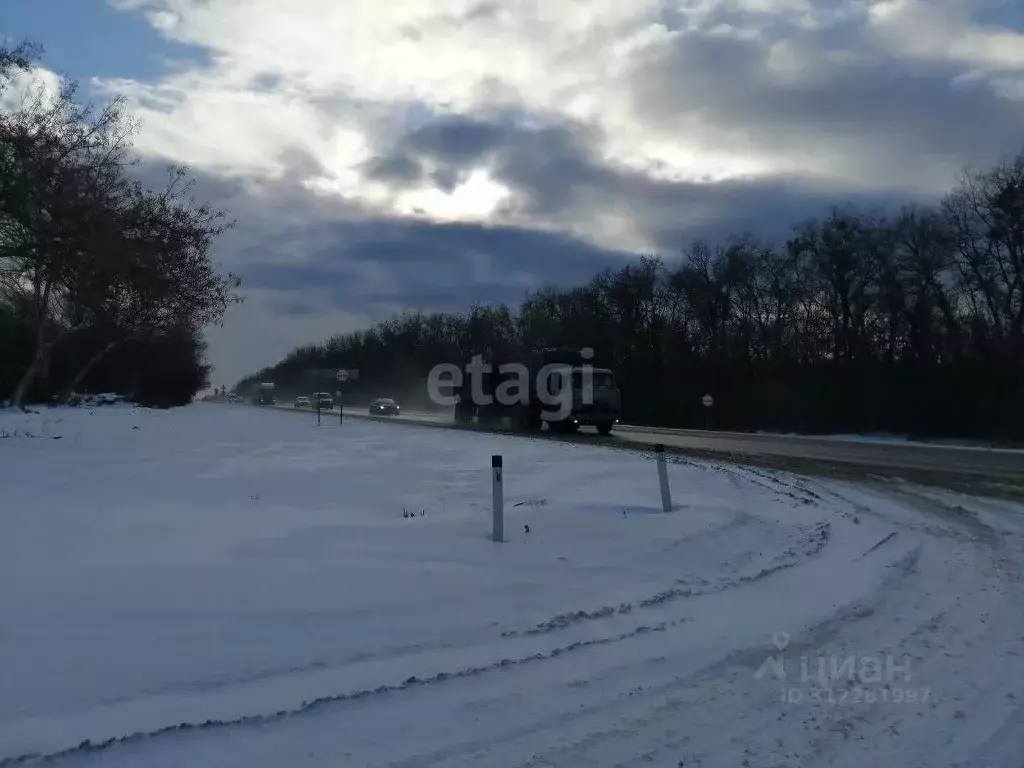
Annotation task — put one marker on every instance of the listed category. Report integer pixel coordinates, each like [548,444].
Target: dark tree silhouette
[90,259]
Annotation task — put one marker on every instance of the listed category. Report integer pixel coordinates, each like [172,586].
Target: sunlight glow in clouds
[328,81]
[477,198]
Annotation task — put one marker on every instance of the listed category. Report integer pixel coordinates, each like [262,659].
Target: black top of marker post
[659,448]
[496,462]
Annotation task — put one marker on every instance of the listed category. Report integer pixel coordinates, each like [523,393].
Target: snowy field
[221,586]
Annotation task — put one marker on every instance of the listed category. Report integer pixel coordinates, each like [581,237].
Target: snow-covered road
[221,587]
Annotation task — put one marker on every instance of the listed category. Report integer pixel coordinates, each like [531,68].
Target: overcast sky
[427,154]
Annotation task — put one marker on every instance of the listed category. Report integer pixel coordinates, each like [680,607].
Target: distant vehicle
[303,402]
[323,401]
[568,371]
[384,406]
[265,394]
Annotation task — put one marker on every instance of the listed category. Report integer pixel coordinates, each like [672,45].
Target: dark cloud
[294,307]
[459,141]
[556,176]
[897,121]
[400,169]
[354,260]
[550,168]
[267,82]
[466,142]
[430,266]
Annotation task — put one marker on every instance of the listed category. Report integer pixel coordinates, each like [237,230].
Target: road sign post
[666,494]
[341,375]
[497,500]
[707,401]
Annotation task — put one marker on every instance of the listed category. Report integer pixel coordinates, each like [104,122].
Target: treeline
[105,283]
[907,323]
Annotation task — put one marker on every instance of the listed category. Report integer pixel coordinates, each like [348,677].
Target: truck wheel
[521,421]
[604,429]
[528,419]
[536,422]
[490,416]
[463,413]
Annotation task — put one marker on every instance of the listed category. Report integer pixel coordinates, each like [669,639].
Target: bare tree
[83,246]
[61,170]
[985,214]
[158,275]
[18,59]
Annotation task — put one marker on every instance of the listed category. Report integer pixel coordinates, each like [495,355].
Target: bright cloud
[328,80]
[27,88]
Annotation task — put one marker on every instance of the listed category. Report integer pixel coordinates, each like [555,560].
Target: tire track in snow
[599,742]
[918,621]
[671,716]
[476,751]
[814,541]
[655,600]
[89,746]
[777,484]
[809,546]
[649,663]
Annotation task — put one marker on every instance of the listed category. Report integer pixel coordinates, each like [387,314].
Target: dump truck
[265,394]
[560,387]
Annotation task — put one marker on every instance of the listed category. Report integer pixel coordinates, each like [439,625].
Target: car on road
[323,401]
[303,402]
[384,406]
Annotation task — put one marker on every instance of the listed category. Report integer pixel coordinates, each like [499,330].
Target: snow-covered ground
[220,586]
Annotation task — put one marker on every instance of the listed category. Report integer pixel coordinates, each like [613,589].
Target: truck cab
[265,394]
[595,399]
[560,387]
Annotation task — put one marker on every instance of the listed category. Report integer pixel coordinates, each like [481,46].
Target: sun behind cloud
[477,198]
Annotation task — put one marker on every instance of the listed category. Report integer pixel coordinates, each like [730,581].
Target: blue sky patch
[83,39]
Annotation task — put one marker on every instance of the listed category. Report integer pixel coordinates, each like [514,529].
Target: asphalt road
[947,465]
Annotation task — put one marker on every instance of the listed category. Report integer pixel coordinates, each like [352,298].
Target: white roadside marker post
[498,500]
[666,494]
